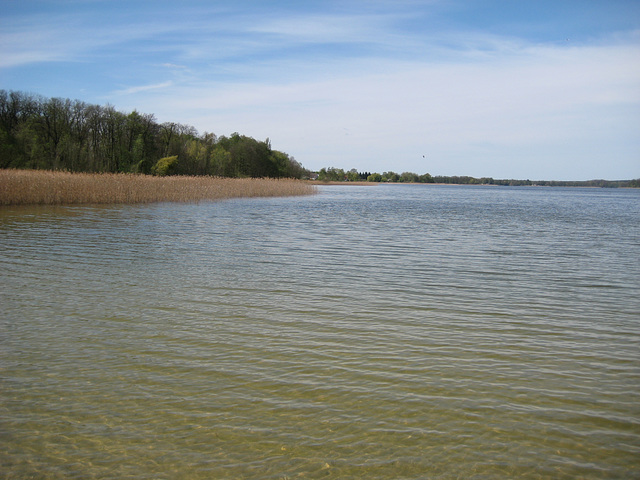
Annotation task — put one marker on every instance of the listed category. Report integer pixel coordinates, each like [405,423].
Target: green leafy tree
[409,177]
[220,162]
[390,177]
[425,178]
[353,175]
[137,155]
[331,174]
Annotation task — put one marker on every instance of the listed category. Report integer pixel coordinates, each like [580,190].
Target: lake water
[378,332]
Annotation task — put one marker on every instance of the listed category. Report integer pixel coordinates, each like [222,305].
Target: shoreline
[368,184]
[365,183]
[361,183]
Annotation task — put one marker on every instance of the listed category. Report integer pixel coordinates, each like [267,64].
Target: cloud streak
[143,88]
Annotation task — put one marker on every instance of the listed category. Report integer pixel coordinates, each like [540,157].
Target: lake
[379,332]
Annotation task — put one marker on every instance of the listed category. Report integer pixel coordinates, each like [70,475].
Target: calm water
[366,332]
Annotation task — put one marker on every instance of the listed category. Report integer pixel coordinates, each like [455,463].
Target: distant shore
[545,184]
[369,184]
[320,182]
[40,187]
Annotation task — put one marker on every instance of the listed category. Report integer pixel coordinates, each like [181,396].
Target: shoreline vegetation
[334,176]
[42,187]
[55,134]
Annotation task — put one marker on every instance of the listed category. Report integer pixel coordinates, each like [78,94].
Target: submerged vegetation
[62,134]
[37,187]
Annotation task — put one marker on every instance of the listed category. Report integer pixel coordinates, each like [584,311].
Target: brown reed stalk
[38,187]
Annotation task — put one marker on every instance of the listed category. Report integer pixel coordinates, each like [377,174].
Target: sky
[544,89]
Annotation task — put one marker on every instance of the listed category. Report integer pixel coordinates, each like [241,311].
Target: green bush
[164,166]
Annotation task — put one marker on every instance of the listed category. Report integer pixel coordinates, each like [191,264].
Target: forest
[71,135]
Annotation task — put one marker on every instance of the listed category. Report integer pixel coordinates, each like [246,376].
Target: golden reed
[38,187]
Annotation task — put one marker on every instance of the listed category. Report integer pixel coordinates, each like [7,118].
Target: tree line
[333,174]
[62,134]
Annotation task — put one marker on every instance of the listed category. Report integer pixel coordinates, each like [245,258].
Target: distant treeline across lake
[333,174]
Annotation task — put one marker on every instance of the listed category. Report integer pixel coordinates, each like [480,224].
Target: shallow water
[388,331]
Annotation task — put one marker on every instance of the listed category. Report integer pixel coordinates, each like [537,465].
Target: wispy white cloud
[24,43]
[143,88]
[173,66]
[37,37]
[325,28]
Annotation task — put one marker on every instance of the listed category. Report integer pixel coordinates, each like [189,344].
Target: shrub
[164,166]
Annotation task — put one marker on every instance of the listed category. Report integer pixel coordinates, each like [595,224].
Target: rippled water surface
[364,332]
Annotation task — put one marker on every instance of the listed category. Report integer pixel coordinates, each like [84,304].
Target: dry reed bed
[37,187]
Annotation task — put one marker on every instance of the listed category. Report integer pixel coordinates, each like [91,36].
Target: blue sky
[508,89]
